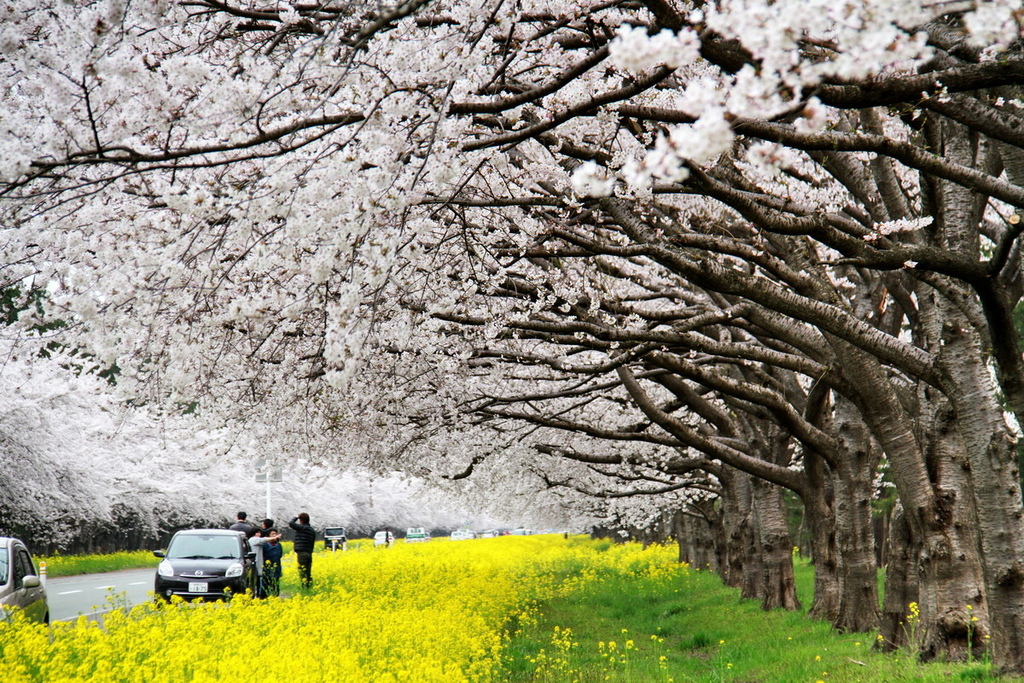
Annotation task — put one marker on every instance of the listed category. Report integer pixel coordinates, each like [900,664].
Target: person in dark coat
[271,577]
[305,540]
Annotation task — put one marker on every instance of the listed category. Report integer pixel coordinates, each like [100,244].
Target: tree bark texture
[855,472]
[778,585]
[819,515]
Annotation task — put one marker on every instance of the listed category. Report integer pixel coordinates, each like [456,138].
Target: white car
[20,585]
[462,535]
[385,538]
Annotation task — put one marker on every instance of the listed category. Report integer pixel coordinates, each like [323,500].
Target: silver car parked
[20,585]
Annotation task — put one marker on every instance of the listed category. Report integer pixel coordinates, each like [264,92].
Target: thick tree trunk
[693,544]
[855,472]
[938,550]
[778,585]
[735,524]
[900,584]
[938,519]
[716,526]
[697,530]
[995,479]
[746,542]
[982,464]
[949,570]
[684,537]
[858,573]
[819,514]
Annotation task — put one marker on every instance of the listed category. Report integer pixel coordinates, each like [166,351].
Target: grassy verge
[72,565]
[694,629]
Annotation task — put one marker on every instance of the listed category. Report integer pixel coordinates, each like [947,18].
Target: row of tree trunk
[934,589]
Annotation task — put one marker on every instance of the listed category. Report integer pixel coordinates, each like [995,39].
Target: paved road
[91,594]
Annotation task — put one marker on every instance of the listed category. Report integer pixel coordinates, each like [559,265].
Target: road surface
[91,594]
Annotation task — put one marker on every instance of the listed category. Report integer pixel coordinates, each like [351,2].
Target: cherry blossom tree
[83,471]
[779,232]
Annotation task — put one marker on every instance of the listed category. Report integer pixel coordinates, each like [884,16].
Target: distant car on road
[335,538]
[462,535]
[416,534]
[20,585]
[207,564]
[385,538]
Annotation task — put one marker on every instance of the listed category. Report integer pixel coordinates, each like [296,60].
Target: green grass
[72,565]
[695,630]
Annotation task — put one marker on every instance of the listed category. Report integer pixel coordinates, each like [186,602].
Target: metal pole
[267,516]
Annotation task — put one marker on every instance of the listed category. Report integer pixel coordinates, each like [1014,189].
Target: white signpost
[267,473]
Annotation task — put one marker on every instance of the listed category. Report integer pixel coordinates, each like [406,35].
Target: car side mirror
[251,555]
[159,553]
[30,581]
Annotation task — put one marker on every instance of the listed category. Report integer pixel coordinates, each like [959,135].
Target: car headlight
[165,568]
[235,570]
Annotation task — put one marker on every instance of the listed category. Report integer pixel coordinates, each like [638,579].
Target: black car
[208,564]
[335,538]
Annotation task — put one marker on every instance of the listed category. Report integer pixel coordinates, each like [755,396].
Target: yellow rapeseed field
[439,611]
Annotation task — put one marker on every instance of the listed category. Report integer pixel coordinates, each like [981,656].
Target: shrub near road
[425,612]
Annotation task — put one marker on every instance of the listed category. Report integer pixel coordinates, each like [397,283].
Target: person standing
[242,525]
[305,541]
[272,553]
[259,543]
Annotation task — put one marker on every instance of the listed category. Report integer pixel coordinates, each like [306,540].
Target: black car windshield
[334,531]
[204,547]
[5,566]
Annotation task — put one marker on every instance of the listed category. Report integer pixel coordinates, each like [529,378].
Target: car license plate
[197,586]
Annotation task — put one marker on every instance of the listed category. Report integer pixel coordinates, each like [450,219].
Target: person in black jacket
[305,540]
